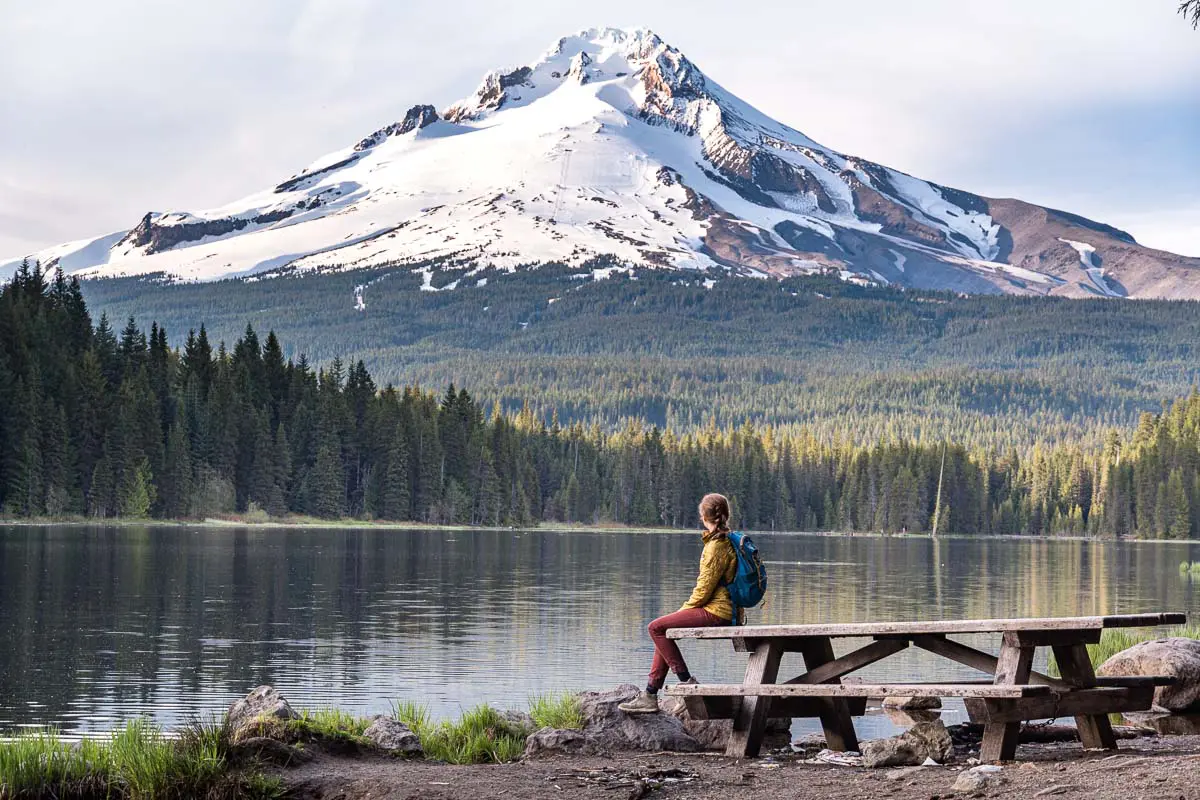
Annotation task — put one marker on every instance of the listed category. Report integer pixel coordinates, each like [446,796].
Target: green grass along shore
[142,762]
[138,762]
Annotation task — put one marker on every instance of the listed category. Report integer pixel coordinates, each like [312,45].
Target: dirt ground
[1166,768]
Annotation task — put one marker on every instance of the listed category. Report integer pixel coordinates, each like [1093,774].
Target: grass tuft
[332,728]
[39,764]
[334,723]
[560,711]
[414,715]
[144,762]
[482,735]
[136,762]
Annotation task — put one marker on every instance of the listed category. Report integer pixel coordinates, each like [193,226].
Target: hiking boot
[644,703]
[690,682]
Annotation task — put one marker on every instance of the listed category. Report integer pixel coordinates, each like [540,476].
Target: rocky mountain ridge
[615,143]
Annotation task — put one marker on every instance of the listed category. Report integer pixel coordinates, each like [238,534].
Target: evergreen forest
[104,423]
[684,351]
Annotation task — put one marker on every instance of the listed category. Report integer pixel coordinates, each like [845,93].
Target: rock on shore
[1177,657]
[911,748]
[263,702]
[607,729]
[394,736]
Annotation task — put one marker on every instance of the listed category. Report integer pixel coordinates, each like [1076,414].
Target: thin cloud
[123,107]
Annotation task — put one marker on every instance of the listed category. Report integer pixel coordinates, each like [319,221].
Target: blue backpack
[749,583]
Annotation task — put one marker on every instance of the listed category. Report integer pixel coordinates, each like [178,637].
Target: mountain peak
[613,143]
[584,57]
[635,40]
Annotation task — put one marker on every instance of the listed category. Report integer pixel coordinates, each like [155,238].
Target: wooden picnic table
[1013,694]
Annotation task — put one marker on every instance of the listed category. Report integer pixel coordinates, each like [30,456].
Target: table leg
[1000,738]
[1075,666]
[835,713]
[750,720]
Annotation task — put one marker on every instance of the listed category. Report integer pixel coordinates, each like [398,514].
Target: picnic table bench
[1013,694]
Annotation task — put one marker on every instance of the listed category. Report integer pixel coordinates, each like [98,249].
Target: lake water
[103,624]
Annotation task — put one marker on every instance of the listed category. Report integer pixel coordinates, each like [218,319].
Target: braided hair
[714,508]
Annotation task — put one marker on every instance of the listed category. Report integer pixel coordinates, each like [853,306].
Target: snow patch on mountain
[1087,258]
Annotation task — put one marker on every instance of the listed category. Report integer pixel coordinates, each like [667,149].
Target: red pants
[666,652]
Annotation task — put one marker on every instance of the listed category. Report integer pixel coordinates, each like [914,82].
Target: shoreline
[330,755]
[313,523]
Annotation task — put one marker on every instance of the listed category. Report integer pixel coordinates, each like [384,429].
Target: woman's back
[718,566]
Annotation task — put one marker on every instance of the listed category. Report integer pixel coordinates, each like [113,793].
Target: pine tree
[264,479]
[397,492]
[132,348]
[1177,513]
[276,502]
[58,474]
[137,492]
[275,374]
[175,484]
[327,480]
[102,501]
[1191,10]
[23,453]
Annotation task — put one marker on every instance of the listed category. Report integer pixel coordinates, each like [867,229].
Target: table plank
[856,690]
[716,707]
[1101,700]
[885,629]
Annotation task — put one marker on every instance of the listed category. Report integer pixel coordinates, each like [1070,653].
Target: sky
[113,109]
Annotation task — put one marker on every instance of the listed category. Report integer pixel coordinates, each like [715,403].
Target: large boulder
[553,740]
[713,734]
[1161,724]
[896,751]
[616,730]
[608,729]
[911,748]
[388,733]
[1177,657]
[264,703]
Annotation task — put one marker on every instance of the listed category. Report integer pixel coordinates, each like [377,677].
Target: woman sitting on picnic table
[709,605]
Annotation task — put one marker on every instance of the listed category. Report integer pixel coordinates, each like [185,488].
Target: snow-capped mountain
[613,142]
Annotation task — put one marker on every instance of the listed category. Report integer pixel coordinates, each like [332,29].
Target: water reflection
[98,625]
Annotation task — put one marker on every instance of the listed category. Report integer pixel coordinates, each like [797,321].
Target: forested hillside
[841,361]
[122,424]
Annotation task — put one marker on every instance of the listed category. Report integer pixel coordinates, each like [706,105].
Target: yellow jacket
[718,566]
